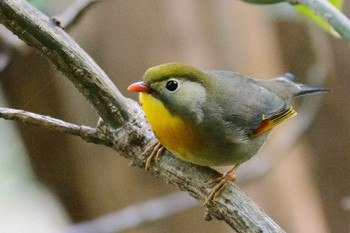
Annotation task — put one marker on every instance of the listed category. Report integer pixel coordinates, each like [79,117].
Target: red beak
[139,87]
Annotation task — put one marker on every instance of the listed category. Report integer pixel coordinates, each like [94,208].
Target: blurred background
[301,179]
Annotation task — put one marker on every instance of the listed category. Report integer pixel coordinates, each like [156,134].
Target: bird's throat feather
[173,133]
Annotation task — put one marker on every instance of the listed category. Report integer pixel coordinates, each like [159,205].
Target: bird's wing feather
[249,109]
[268,123]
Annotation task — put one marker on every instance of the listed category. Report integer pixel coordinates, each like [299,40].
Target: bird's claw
[220,183]
[153,152]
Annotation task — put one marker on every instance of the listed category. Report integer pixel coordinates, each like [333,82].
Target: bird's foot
[220,183]
[153,152]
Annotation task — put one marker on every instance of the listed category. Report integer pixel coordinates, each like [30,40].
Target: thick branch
[39,31]
[134,135]
[28,118]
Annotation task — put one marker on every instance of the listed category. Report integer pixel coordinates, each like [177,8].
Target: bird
[215,117]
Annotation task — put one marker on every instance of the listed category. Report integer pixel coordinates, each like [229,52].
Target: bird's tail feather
[307,90]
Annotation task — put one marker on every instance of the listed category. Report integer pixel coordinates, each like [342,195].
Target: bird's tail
[307,90]
[285,87]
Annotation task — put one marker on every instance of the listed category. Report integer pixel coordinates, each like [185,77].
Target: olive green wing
[249,109]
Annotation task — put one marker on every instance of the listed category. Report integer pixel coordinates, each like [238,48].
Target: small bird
[214,118]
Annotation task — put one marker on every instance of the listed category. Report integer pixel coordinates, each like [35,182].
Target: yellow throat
[172,132]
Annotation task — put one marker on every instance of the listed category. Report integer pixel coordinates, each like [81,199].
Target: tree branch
[329,14]
[28,118]
[322,8]
[39,31]
[130,134]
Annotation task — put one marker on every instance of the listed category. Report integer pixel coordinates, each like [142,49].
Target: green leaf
[318,20]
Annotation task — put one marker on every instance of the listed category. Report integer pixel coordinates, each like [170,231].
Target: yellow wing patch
[275,119]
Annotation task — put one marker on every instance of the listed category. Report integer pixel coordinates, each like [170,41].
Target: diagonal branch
[66,19]
[123,120]
[39,31]
[28,118]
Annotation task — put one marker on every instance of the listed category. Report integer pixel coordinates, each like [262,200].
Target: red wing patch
[273,120]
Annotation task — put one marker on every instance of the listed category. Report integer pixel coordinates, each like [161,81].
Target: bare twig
[28,118]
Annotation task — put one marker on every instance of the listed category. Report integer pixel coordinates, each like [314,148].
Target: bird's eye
[172,85]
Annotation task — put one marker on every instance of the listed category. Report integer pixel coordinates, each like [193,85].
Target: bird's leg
[220,182]
[154,151]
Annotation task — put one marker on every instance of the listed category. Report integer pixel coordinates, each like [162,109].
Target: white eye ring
[172,85]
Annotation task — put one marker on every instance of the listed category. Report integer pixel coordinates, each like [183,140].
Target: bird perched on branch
[214,118]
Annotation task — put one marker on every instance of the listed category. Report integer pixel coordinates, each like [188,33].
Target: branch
[28,118]
[322,8]
[39,31]
[329,14]
[130,134]
[67,19]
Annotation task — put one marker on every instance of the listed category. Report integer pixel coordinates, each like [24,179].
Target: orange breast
[175,135]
